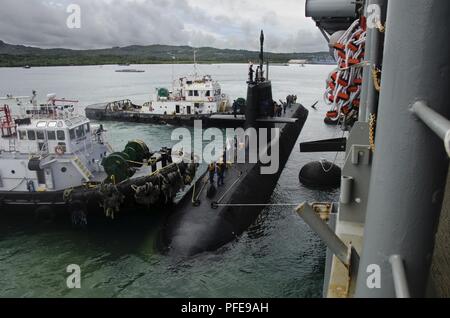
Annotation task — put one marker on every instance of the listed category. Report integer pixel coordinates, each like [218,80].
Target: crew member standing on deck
[220,174]
[212,172]
[279,110]
[235,107]
[275,108]
[250,73]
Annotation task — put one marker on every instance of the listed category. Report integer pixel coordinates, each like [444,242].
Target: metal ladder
[82,168]
[12,145]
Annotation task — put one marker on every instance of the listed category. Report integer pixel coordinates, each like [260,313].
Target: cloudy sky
[106,23]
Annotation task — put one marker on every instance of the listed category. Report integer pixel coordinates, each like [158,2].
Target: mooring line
[257,205]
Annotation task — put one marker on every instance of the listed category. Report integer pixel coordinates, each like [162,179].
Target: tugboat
[53,161]
[191,98]
[190,95]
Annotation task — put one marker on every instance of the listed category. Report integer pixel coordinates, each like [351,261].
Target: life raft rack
[343,87]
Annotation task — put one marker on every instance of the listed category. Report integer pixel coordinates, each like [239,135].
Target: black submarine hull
[193,229]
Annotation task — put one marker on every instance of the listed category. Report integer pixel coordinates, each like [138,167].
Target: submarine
[208,217]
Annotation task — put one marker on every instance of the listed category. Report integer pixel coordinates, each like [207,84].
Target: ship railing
[399,277]
[435,121]
[43,151]
[49,112]
[97,137]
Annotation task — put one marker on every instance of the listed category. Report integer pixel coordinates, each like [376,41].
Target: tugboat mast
[195,64]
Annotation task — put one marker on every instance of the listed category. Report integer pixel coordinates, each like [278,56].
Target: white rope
[14,188]
[258,205]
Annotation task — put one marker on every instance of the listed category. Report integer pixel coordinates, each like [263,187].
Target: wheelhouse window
[61,135]
[51,135]
[22,134]
[208,93]
[195,93]
[191,93]
[79,131]
[72,134]
[87,128]
[31,135]
[40,135]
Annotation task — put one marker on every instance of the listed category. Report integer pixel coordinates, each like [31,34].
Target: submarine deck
[207,224]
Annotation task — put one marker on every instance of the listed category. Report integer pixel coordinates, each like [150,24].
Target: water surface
[279,256]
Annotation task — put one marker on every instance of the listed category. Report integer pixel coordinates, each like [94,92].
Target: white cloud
[106,23]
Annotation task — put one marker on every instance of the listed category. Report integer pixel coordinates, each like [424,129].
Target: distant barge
[130,71]
[102,112]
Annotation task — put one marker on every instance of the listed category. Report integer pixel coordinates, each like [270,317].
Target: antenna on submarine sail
[261,57]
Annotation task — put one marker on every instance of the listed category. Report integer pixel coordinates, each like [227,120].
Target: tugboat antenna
[195,63]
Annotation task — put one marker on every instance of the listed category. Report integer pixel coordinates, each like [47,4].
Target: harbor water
[279,256]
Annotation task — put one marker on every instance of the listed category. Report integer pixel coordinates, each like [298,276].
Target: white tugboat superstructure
[48,147]
[191,95]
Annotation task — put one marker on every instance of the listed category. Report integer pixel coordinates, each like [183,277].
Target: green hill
[20,55]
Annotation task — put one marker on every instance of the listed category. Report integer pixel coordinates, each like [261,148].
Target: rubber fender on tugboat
[78,215]
[44,214]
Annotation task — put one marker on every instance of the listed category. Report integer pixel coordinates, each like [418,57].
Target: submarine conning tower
[259,93]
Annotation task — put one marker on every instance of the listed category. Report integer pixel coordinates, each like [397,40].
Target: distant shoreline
[21,56]
[280,64]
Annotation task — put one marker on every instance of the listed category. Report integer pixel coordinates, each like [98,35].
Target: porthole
[13,171]
[63,169]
